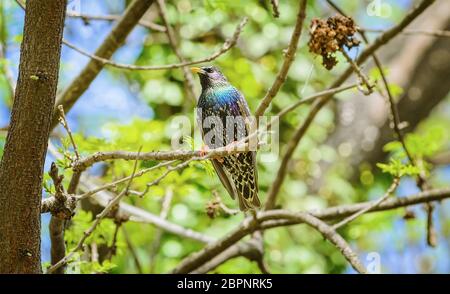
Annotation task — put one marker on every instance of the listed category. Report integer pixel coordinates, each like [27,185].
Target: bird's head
[210,76]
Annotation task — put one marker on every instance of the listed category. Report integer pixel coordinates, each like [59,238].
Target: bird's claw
[204,150]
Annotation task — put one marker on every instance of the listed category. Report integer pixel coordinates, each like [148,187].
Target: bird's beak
[197,70]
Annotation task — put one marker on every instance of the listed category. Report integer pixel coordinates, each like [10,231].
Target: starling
[223,112]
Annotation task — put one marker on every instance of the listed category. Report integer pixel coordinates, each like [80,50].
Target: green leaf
[397,169]
[395,90]
[47,184]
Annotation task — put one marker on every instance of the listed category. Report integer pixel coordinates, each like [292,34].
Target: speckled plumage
[219,100]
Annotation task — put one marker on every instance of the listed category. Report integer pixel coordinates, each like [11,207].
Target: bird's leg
[219,159]
[204,150]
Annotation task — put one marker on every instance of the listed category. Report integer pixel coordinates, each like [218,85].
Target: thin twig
[119,181]
[277,218]
[432,33]
[228,210]
[173,43]
[63,121]
[288,60]
[396,124]
[331,235]
[229,253]
[352,217]
[165,207]
[137,263]
[139,215]
[319,103]
[111,43]
[315,96]
[94,252]
[97,221]
[282,170]
[364,79]
[113,248]
[218,201]
[431,231]
[166,173]
[275,8]
[112,17]
[230,43]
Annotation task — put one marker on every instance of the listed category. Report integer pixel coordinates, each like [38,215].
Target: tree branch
[318,104]
[315,96]
[97,221]
[275,8]
[352,217]
[250,249]
[136,214]
[288,59]
[119,181]
[63,121]
[112,42]
[364,79]
[132,251]
[111,17]
[432,33]
[396,124]
[165,207]
[229,43]
[88,161]
[189,79]
[275,218]
[331,235]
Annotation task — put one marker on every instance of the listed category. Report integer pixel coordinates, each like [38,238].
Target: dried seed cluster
[331,35]
[212,208]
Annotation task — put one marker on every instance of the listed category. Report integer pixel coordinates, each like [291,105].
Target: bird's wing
[250,125]
[219,168]
[223,177]
[245,112]
[243,107]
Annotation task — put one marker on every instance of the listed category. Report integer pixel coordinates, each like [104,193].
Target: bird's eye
[208,70]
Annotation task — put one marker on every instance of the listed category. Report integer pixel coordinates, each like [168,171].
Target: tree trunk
[26,144]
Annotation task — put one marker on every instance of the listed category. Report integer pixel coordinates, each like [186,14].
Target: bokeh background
[334,164]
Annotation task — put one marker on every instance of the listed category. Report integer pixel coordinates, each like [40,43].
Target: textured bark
[56,228]
[22,165]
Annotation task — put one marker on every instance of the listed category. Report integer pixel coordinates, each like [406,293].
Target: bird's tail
[247,192]
[249,202]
